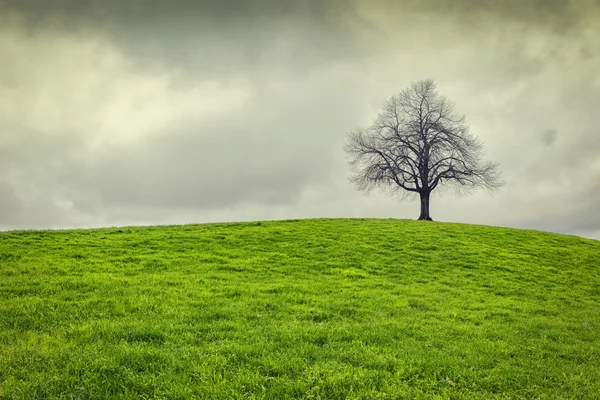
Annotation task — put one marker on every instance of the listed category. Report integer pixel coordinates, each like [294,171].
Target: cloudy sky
[121,112]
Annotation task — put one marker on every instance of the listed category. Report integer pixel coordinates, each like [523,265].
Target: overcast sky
[122,112]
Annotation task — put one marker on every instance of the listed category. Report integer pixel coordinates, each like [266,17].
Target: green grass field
[315,309]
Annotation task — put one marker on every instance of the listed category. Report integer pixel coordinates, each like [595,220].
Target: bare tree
[419,143]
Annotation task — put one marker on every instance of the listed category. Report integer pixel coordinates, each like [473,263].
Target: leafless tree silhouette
[419,143]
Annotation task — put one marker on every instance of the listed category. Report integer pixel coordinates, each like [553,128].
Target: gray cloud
[287,37]
[156,112]
[193,170]
[206,37]
[10,205]
[548,137]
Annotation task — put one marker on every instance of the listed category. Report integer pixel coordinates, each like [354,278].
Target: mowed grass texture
[314,309]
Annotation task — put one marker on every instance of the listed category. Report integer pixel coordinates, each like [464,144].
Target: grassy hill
[319,309]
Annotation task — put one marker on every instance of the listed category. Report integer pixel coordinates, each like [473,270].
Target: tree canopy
[419,143]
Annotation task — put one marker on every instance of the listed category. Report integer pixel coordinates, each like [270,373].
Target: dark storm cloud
[562,16]
[164,11]
[217,37]
[207,37]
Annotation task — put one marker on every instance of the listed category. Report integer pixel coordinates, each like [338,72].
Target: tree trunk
[425,206]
